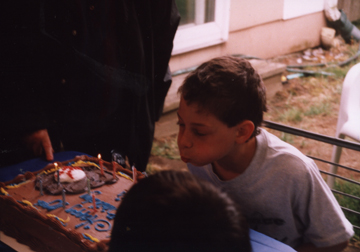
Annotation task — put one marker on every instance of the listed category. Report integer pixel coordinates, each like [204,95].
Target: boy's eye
[197,133]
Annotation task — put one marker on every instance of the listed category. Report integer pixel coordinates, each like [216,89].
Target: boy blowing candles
[281,190]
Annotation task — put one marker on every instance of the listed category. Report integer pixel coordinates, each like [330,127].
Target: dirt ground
[312,103]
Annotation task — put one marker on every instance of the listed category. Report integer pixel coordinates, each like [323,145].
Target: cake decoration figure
[114,169]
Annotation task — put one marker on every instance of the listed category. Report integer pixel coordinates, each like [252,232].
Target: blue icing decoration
[79,211]
[99,203]
[64,224]
[99,226]
[120,195]
[79,225]
[51,205]
[110,216]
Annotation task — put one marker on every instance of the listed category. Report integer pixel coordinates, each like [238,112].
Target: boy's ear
[244,131]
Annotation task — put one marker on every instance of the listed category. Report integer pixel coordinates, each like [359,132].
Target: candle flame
[99,156]
[56,164]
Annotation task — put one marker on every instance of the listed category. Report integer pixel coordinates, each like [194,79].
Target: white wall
[296,8]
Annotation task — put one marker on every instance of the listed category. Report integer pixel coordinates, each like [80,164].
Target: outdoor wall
[247,14]
[277,37]
[260,28]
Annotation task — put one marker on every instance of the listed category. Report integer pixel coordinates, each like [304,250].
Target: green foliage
[303,144]
[339,72]
[286,137]
[167,148]
[291,115]
[350,203]
[321,109]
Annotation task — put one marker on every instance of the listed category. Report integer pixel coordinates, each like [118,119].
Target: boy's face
[203,138]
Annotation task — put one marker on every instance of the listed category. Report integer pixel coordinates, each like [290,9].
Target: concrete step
[167,125]
[270,72]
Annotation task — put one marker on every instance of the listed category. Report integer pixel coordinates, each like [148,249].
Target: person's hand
[39,142]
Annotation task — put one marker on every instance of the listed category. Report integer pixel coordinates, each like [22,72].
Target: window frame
[192,37]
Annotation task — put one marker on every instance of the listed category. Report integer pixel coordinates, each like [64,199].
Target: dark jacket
[94,73]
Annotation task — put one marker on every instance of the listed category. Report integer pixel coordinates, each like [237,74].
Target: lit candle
[57,173]
[94,202]
[134,173]
[88,185]
[114,169]
[63,198]
[101,165]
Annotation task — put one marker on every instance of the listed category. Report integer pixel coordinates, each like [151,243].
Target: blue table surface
[9,172]
[259,242]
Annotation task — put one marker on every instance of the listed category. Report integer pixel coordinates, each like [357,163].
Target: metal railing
[329,140]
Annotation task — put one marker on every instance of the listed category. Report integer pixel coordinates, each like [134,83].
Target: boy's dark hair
[174,211]
[229,88]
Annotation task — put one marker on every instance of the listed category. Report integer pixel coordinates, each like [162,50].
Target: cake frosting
[70,174]
[77,215]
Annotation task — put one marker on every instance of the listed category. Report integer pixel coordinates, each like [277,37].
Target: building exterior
[259,28]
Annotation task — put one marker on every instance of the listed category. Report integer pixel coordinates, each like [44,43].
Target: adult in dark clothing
[84,75]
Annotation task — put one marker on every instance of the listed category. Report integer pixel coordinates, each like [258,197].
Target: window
[195,12]
[203,23]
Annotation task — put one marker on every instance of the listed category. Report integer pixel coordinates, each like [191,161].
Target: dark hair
[174,211]
[229,88]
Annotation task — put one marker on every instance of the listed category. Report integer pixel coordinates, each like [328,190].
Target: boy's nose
[184,140]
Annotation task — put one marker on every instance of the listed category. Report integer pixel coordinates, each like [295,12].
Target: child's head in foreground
[174,211]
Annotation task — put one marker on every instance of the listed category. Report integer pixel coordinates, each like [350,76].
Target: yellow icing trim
[125,176]
[81,162]
[17,185]
[3,191]
[62,220]
[27,203]
[51,170]
[92,238]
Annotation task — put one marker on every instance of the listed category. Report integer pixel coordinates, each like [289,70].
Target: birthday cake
[67,206]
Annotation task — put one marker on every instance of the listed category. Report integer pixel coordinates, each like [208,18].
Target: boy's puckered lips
[186,160]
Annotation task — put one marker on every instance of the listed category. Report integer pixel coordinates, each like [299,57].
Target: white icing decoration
[76,174]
